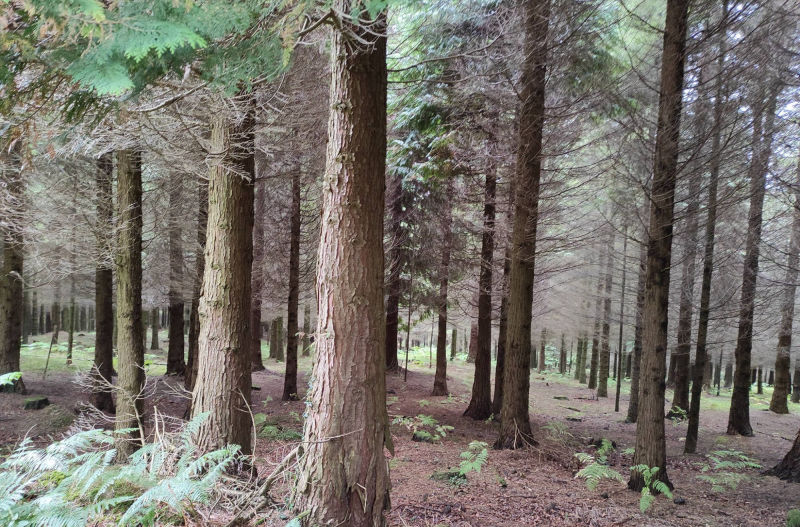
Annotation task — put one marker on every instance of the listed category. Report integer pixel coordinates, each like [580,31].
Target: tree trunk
[739,416]
[26,312]
[276,352]
[480,405]
[290,379]
[789,467]
[396,254]
[681,356]
[782,360]
[130,346]
[175,362]
[35,326]
[701,354]
[594,360]
[103,289]
[472,347]
[542,346]
[605,350]
[257,362]
[515,428]
[346,481]
[306,330]
[222,387]
[650,439]
[154,320]
[194,315]
[71,328]
[440,379]
[562,357]
[11,284]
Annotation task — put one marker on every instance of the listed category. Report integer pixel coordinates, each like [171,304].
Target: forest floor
[515,488]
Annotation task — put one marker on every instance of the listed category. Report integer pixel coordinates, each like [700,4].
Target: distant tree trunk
[290,379]
[605,350]
[578,358]
[306,330]
[650,439]
[515,428]
[130,346]
[739,416]
[11,177]
[701,355]
[472,348]
[26,312]
[277,352]
[480,405]
[562,357]
[257,362]
[680,398]
[222,386]
[175,362]
[35,314]
[194,315]
[783,359]
[71,328]
[154,323]
[584,354]
[103,289]
[349,370]
[594,360]
[542,345]
[440,379]
[453,343]
[396,254]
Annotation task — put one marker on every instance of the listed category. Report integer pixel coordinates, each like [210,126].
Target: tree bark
[290,379]
[605,350]
[175,361]
[154,319]
[130,345]
[103,289]
[222,387]
[480,405]
[396,260]
[306,330]
[11,284]
[782,359]
[594,360]
[515,427]
[562,357]
[739,415]
[440,379]
[681,356]
[789,467]
[257,362]
[650,439]
[345,481]
[502,332]
[194,315]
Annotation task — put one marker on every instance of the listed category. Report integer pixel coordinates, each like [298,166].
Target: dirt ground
[515,488]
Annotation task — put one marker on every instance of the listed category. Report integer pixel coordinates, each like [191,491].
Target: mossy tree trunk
[130,346]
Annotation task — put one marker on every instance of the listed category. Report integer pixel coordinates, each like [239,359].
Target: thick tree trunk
[345,481]
[650,439]
[103,291]
[257,362]
[440,379]
[789,467]
[515,428]
[130,346]
[222,387]
[681,356]
[194,315]
[175,362]
[782,359]
[605,351]
[480,405]
[739,416]
[396,254]
[11,285]
[290,379]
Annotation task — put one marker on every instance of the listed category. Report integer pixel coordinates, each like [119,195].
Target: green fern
[652,486]
[723,469]
[596,467]
[474,458]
